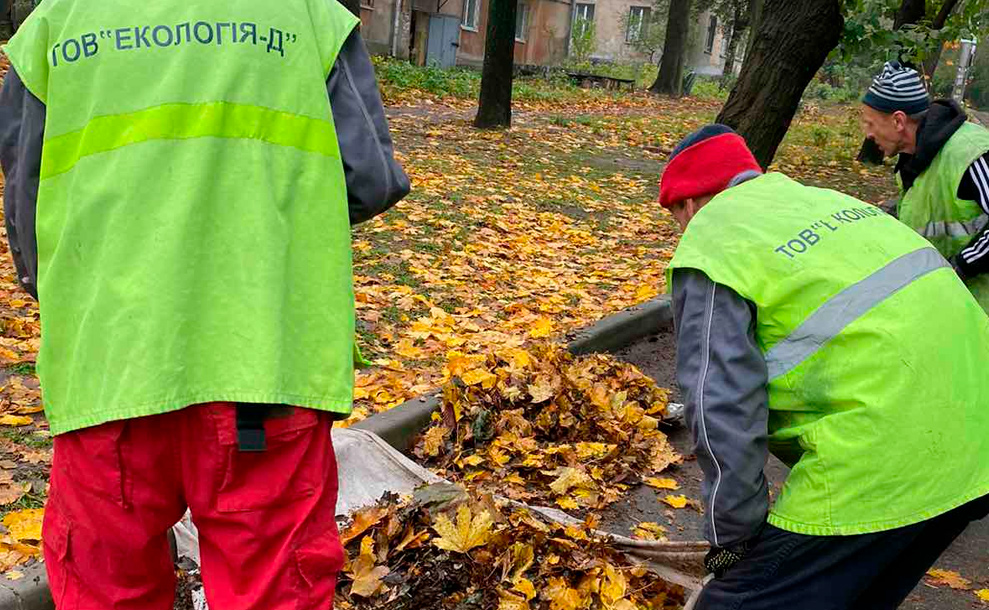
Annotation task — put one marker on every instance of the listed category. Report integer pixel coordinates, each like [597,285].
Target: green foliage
[402,75]
[709,89]
[583,39]
[821,135]
[869,29]
[821,91]
[652,33]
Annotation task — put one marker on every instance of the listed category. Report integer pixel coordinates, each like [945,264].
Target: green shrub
[708,89]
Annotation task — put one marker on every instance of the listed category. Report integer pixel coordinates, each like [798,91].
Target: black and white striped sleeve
[974,258]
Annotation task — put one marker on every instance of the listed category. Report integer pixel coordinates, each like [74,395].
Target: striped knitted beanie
[897,88]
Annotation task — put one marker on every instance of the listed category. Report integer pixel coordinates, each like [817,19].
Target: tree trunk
[670,77]
[354,6]
[755,18]
[911,11]
[790,46]
[495,105]
[740,23]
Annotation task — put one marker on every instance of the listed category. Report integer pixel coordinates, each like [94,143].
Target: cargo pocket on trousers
[92,458]
[55,535]
[319,561]
[279,474]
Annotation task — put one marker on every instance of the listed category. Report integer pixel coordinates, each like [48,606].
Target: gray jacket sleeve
[375,180]
[22,132]
[723,378]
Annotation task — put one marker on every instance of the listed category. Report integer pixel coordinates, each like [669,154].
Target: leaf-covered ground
[508,236]
[533,232]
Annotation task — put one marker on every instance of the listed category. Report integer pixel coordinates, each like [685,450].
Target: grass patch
[23,368]
[28,439]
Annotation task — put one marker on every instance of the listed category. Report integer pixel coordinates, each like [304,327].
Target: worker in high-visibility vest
[181,181]
[942,169]
[816,327]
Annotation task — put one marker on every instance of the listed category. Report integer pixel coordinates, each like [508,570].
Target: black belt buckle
[250,427]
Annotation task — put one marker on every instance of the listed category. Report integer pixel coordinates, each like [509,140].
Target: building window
[470,14]
[638,21]
[585,15]
[712,30]
[521,22]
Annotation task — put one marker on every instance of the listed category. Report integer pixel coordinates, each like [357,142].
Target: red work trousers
[268,537]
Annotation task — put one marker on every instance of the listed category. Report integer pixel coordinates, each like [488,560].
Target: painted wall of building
[709,59]
[611,21]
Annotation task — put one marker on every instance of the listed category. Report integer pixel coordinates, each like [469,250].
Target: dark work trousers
[865,572]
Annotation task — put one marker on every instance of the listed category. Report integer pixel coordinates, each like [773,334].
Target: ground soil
[655,356]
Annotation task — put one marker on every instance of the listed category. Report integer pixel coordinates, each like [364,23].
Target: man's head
[893,107]
[705,163]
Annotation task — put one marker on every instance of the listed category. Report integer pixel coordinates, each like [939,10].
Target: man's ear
[900,120]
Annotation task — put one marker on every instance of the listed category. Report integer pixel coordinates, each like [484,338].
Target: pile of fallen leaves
[542,426]
[445,550]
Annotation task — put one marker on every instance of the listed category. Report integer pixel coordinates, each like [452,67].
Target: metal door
[444,36]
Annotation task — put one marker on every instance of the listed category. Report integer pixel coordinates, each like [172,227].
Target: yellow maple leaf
[948,578]
[25,524]
[568,478]
[522,559]
[676,501]
[541,390]
[15,420]
[469,532]
[367,576]
[14,575]
[542,327]
[645,292]
[613,587]
[648,530]
[433,440]
[526,588]
[485,378]
[661,483]
[586,451]
[473,460]
[567,503]
[560,595]
[983,594]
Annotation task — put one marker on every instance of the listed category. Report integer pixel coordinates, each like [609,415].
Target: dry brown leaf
[367,576]
[363,520]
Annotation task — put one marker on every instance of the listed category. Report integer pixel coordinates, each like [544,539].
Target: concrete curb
[28,593]
[398,426]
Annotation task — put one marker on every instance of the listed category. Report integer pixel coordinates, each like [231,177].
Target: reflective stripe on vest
[954,229]
[847,306]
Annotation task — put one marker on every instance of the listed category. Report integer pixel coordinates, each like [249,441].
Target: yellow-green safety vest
[192,225]
[876,354]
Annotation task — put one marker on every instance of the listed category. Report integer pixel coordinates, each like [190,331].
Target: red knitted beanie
[705,166]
